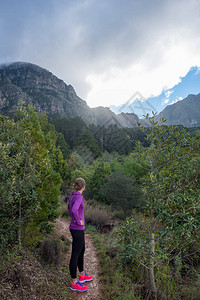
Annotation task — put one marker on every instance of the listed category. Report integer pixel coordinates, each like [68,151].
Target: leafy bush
[121,191]
[30,164]
[120,214]
[131,166]
[135,244]
[98,179]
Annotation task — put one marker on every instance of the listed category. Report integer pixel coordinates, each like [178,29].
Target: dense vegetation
[98,139]
[145,179]
[30,163]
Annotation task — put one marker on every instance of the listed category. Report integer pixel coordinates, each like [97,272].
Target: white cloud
[167,97]
[165,101]
[168,93]
[169,56]
[117,85]
[176,100]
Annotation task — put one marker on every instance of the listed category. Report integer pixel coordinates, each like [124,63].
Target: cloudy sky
[107,49]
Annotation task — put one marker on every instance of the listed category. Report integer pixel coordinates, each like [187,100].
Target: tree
[71,128]
[64,147]
[86,139]
[29,185]
[98,178]
[130,166]
[55,153]
[171,189]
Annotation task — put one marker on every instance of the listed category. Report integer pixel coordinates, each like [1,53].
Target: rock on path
[90,261]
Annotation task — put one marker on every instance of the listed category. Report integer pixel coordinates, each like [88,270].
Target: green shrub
[122,191]
[30,164]
[33,236]
[120,215]
[98,179]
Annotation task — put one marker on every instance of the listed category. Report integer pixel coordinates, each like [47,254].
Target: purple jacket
[76,211]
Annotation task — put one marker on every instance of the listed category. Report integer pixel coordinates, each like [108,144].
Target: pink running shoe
[78,287]
[85,278]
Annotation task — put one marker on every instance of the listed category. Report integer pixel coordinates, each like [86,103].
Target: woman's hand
[82,222]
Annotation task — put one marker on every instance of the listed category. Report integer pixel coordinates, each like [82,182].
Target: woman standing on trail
[77,226]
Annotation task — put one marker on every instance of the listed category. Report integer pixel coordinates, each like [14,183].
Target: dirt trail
[90,260]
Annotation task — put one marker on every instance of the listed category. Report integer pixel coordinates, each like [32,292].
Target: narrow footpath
[91,263]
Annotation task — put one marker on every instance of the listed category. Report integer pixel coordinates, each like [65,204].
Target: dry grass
[97,215]
[53,250]
[63,207]
[25,275]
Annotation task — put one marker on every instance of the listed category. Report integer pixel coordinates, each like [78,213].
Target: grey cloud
[77,37]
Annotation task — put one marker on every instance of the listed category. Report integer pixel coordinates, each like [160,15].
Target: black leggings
[78,249]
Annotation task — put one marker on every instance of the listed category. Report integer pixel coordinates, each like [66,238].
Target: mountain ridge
[185,112]
[23,81]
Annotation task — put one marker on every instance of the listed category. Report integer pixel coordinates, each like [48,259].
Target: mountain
[37,86]
[20,81]
[105,116]
[185,112]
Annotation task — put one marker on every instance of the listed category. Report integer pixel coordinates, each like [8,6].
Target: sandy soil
[91,263]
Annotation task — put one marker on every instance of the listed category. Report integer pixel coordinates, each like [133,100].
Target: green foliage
[81,166]
[55,153]
[86,139]
[32,235]
[121,191]
[98,139]
[30,171]
[134,239]
[172,186]
[135,167]
[120,140]
[63,145]
[98,178]
[129,165]
[81,158]
[71,128]
[135,242]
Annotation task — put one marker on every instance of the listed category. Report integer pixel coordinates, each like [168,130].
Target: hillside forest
[143,182]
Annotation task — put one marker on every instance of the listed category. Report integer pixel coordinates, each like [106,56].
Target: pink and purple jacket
[76,211]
